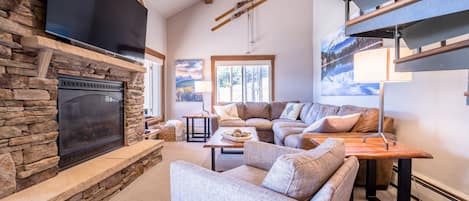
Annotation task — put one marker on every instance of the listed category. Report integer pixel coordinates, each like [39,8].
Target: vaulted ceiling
[168,8]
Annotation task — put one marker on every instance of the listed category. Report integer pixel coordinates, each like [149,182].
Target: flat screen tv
[115,26]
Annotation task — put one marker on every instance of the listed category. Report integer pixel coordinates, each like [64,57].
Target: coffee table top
[217,140]
[199,116]
[374,149]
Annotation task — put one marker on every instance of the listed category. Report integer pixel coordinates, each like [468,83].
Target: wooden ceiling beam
[208,1]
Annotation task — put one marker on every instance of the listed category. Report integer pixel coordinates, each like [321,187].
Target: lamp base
[383,136]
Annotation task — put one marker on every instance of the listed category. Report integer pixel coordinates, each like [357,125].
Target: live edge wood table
[217,140]
[373,150]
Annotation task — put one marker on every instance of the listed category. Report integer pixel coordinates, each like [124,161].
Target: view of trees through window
[243,83]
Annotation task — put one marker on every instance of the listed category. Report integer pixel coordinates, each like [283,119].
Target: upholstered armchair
[248,182]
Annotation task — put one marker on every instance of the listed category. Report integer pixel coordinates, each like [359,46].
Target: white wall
[430,111]
[283,29]
[156,29]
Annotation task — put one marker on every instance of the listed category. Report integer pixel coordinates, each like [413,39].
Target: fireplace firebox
[91,119]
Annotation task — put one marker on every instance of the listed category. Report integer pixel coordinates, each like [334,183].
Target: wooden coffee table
[217,140]
[373,150]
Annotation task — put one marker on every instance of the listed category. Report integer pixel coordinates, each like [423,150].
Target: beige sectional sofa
[266,118]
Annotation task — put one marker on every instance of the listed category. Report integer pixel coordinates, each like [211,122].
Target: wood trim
[59,48]
[381,11]
[216,58]
[161,56]
[440,50]
[155,53]
[242,57]
[208,1]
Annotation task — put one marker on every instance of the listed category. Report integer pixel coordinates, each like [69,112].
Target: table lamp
[377,65]
[203,87]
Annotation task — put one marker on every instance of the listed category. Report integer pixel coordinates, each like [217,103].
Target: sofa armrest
[263,155]
[214,123]
[193,183]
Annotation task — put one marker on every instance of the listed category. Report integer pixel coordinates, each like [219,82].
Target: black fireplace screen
[90,119]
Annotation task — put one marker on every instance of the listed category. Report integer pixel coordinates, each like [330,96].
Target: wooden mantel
[47,47]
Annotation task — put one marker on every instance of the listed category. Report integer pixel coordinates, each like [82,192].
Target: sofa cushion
[232,123]
[299,142]
[301,175]
[247,173]
[291,111]
[260,124]
[278,107]
[310,117]
[368,122]
[227,112]
[350,109]
[281,133]
[305,110]
[326,110]
[334,124]
[241,110]
[282,123]
[257,110]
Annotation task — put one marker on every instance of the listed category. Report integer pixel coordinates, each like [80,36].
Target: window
[248,79]
[154,85]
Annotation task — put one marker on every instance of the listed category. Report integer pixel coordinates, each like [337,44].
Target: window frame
[162,57]
[215,59]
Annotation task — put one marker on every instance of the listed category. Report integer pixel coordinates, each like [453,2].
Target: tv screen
[118,26]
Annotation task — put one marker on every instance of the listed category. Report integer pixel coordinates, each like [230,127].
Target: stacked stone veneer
[112,185]
[28,104]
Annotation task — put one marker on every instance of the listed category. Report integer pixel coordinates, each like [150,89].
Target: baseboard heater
[426,184]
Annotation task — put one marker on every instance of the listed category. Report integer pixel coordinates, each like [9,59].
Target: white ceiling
[168,8]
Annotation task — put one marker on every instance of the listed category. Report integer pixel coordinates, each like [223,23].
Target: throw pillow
[257,110]
[333,124]
[301,175]
[227,112]
[291,111]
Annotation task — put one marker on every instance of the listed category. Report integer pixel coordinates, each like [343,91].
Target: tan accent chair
[193,183]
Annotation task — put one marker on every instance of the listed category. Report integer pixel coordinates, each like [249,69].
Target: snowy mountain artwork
[337,52]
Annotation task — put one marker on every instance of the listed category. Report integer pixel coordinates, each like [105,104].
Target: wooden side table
[371,151]
[191,134]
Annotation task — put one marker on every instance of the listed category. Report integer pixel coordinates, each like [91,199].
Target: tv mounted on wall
[115,26]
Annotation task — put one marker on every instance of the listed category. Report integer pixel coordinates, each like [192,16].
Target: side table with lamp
[202,87]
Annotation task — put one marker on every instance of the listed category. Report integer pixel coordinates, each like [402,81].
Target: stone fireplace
[40,133]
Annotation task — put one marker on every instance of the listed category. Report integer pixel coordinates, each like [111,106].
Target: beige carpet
[153,185]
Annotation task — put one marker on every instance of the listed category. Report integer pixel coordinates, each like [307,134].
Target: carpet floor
[153,185]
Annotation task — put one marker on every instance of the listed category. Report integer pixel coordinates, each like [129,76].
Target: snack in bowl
[237,135]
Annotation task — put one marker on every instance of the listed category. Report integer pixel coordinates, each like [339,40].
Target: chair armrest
[193,183]
[263,155]
[340,184]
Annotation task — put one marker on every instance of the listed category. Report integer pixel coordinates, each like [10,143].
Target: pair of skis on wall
[241,8]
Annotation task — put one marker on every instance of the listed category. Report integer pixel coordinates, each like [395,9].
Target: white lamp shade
[377,65]
[203,86]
